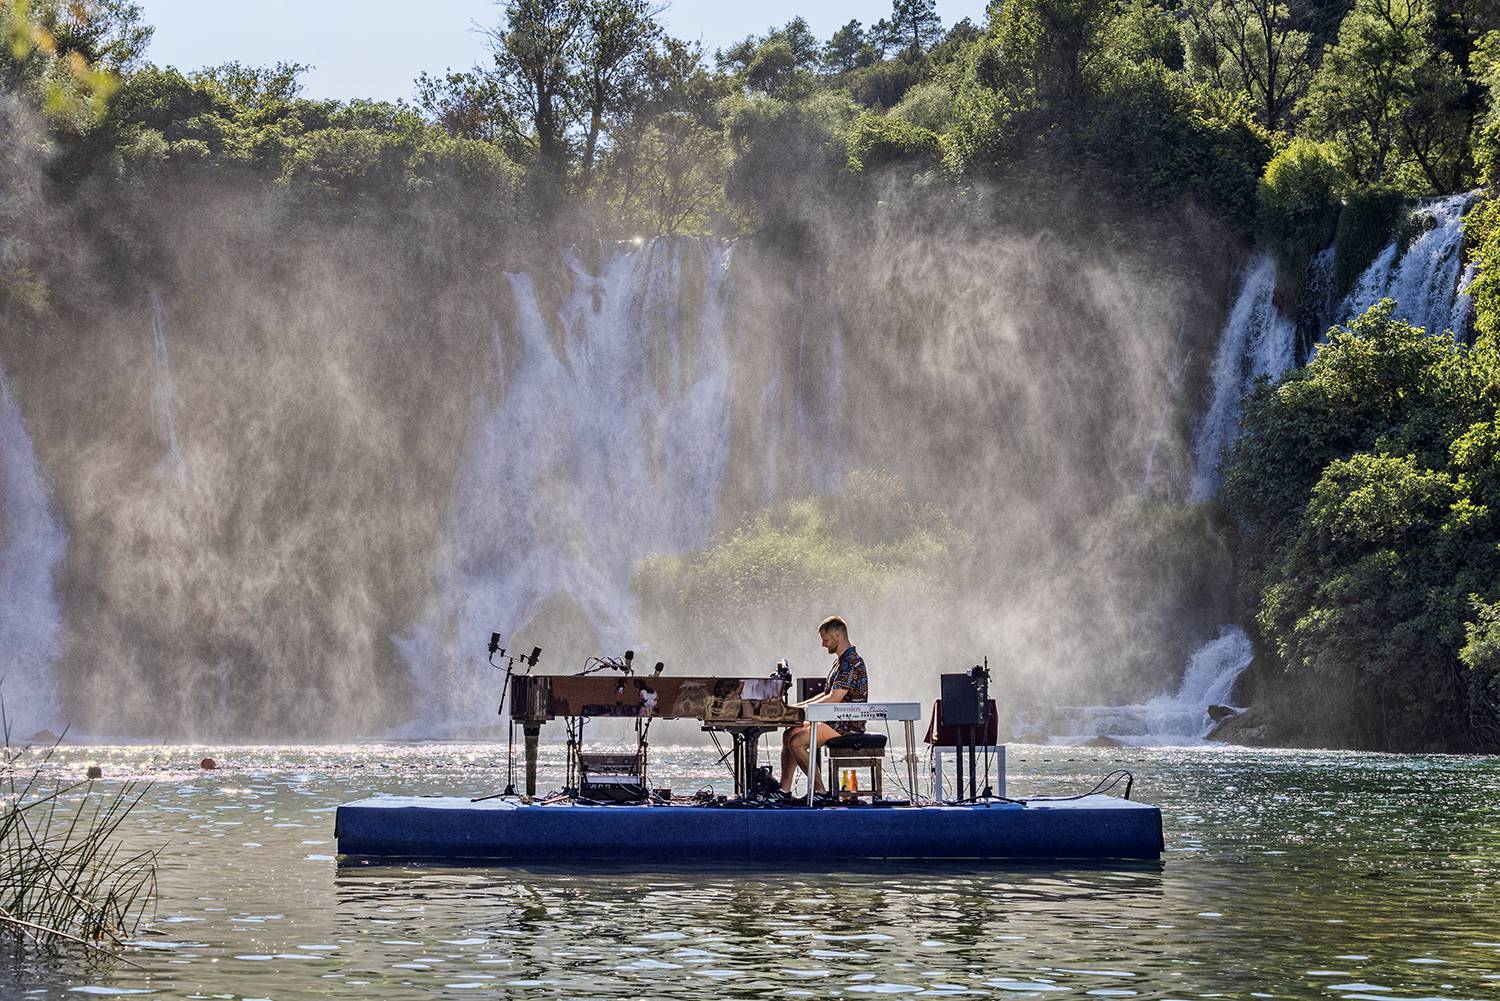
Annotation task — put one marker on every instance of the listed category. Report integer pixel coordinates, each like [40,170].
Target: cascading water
[1180,717]
[1425,279]
[1256,340]
[161,397]
[593,454]
[32,544]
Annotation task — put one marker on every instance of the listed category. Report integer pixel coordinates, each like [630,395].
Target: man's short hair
[834,622]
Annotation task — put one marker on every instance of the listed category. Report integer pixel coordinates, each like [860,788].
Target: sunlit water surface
[1287,874]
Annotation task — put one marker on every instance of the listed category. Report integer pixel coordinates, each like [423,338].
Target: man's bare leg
[788,762]
[797,744]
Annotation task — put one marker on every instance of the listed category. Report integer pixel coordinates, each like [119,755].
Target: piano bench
[856,751]
[858,742]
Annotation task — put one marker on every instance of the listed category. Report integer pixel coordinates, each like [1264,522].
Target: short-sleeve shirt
[849,673]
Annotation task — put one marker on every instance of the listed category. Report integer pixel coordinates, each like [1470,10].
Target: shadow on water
[349,866]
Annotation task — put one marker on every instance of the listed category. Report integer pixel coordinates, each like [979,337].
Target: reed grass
[64,876]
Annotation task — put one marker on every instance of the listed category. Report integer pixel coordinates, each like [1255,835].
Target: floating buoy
[207,764]
[95,772]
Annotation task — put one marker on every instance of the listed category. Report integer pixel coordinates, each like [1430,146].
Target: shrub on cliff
[1299,202]
[877,142]
[868,550]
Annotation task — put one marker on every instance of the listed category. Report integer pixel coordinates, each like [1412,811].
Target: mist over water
[591,452]
[302,486]
[32,543]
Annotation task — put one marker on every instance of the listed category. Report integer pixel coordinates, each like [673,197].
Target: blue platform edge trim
[1092,827]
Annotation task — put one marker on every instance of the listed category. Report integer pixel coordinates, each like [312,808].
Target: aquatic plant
[65,877]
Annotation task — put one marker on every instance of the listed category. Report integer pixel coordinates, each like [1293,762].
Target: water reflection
[1295,874]
[748,933]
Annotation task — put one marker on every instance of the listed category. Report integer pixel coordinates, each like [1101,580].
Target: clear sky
[375,48]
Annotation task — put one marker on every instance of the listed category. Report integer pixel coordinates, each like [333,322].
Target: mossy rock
[1370,220]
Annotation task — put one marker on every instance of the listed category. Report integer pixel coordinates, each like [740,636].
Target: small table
[864,712]
[938,750]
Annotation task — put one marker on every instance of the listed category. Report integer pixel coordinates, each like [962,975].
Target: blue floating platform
[504,830]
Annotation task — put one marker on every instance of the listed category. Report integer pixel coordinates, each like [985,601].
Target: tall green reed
[64,876]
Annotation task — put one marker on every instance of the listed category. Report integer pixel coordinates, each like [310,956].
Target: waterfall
[32,544]
[1256,340]
[1425,278]
[161,397]
[599,447]
[1180,717]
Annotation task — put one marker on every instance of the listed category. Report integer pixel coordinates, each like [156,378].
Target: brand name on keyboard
[854,711]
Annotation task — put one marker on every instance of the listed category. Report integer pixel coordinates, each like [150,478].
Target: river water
[1304,874]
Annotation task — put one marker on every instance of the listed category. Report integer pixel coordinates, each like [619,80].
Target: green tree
[534,51]
[1051,48]
[617,35]
[1363,490]
[468,104]
[916,24]
[1299,201]
[1368,82]
[847,49]
[1252,47]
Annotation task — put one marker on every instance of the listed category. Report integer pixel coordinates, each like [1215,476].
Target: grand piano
[745,708]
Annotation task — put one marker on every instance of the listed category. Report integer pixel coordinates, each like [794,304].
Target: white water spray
[32,545]
[161,397]
[601,450]
[1425,279]
[1180,717]
[1256,340]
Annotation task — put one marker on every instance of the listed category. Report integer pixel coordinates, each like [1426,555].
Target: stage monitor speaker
[951,735]
[809,687]
[963,700]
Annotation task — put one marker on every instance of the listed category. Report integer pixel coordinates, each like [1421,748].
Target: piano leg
[750,740]
[911,763]
[533,733]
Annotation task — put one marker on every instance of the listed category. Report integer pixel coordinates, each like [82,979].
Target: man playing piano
[847,682]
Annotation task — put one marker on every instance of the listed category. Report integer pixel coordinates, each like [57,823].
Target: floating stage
[506,830]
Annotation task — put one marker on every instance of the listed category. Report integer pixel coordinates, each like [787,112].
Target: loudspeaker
[950,735]
[963,700]
[809,687]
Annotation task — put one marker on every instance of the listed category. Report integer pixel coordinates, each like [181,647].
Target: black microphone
[536,652]
[494,643]
[629,656]
[660,666]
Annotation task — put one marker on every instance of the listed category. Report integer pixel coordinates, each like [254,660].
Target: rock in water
[1220,713]
[95,772]
[208,764]
[1102,741]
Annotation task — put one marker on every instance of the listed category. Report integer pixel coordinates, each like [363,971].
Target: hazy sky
[370,48]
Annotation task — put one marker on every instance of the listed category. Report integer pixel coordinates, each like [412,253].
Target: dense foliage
[1365,487]
[589,116]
